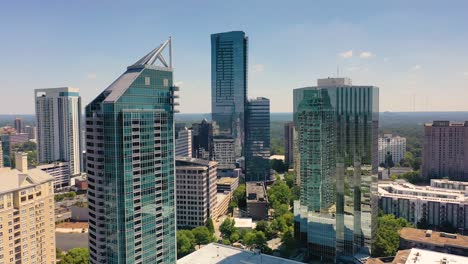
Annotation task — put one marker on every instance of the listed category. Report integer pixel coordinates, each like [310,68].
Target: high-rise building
[183,141]
[196,191]
[257,140]
[27,220]
[58,117]
[1,155]
[337,131]
[19,125]
[130,165]
[445,150]
[9,141]
[202,136]
[61,173]
[289,143]
[31,131]
[396,146]
[224,152]
[229,60]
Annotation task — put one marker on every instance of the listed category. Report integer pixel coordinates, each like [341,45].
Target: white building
[434,205]
[395,145]
[447,184]
[58,116]
[183,142]
[224,152]
[61,173]
[196,191]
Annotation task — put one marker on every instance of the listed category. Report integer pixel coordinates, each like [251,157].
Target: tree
[185,243]
[289,243]
[210,225]
[255,239]
[387,239]
[264,226]
[281,209]
[202,235]
[389,162]
[279,193]
[76,256]
[278,165]
[239,196]
[227,227]
[289,179]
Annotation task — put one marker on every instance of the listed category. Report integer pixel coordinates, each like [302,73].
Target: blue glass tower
[130,165]
[229,84]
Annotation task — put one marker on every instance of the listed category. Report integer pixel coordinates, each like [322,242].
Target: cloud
[416,67]
[91,76]
[366,54]
[346,54]
[179,83]
[258,68]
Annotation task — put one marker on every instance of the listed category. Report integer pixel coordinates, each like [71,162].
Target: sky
[416,52]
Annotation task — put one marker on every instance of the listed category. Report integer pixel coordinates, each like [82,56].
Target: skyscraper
[257,140]
[289,143]
[183,141]
[229,61]
[19,125]
[130,165]
[396,145]
[1,155]
[337,130]
[58,116]
[202,136]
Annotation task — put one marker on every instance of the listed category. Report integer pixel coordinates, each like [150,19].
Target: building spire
[156,55]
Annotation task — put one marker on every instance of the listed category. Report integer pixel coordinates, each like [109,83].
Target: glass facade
[130,165]
[229,84]
[257,140]
[336,128]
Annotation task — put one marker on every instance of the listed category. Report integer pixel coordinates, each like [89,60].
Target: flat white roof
[421,256]
[221,254]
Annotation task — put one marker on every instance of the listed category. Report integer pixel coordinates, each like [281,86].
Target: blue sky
[415,51]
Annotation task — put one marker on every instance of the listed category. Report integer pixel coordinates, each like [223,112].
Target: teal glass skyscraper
[257,140]
[130,165]
[336,127]
[229,58]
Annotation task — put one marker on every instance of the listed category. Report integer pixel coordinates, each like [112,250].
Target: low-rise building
[223,200]
[432,205]
[419,256]
[434,241]
[227,184]
[257,202]
[447,184]
[196,191]
[27,227]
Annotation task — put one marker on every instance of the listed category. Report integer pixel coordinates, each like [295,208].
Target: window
[147,81]
[165,82]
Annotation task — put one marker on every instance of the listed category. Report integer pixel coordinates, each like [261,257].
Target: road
[67,241]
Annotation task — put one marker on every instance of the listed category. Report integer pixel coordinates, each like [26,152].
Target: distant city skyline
[413,50]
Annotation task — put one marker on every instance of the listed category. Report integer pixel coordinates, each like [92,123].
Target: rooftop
[445,123]
[13,179]
[436,238]
[256,192]
[422,256]
[220,254]
[188,161]
[227,180]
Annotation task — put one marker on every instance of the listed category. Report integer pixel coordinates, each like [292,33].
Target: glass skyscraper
[336,126]
[229,84]
[130,165]
[257,140]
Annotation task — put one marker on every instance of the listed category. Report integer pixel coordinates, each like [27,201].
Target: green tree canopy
[210,225]
[387,239]
[76,256]
[227,228]
[185,243]
[202,235]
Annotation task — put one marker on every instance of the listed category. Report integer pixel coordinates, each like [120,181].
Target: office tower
[337,130]
[257,140]
[9,141]
[395,145]
[130,165]
[289,143]
[61,173]
[183,141]
[31,131]
[19,125]
[27,220]
[196,191]
[202,136]
[1,155]
[445,150]
[58,116]
[224,152]
[229,61]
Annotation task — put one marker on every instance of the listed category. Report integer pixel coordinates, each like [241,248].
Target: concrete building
[257,140]
[196,191]
[183,141]
[434,241]
[224,152]
[424,203]
[448,184]
[223,200]
[257,201]
[337,166]
[419,256]
[229,63]
[396,145]
[9,141]
[445,150]
[58,118]
[61,173]
[130,165]
[215,253]
[289,143]
[202,137]
[31,131]
[27,222]
[1,155]
[227,184]
[19,127]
